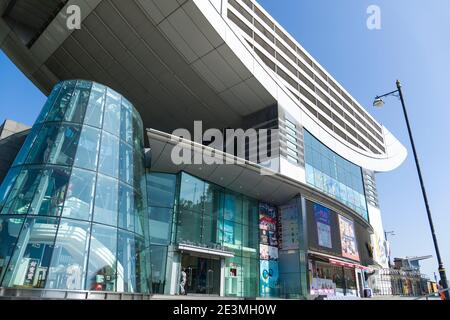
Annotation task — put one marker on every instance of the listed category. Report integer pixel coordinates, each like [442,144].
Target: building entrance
[202,274]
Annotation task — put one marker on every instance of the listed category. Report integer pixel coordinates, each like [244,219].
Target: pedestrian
[183,282]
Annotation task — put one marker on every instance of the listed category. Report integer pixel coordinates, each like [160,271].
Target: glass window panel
[126,207]
[291,139]
[112,112]
[138,131]
[191,193]
[127,268]
[109,155]
[58,110]
[49,103]
[126,126]
[250,240]
[94,111]
[139,180]
[25,149]
[250,277]
[21,195]
[140,214]
[291,145]
[68,263]
[210,235]
[42,147]
[160,225]
[233,208]
[233,277]
[78,103]
[62,150]
[126,163]
[30,262]
[250,212]
[106,193]
[158,260]
[9,232]
[88,149]
[333,174]
[102,259]
[161,189]
[309,174]
[50,193]
[80,195]
[7,185]
[293,154]
[189,227]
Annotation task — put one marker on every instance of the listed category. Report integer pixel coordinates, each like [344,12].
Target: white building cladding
[212,60]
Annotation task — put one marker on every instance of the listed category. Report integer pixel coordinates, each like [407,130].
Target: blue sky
[412,45]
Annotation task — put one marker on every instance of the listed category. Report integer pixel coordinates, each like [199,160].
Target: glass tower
[72,207]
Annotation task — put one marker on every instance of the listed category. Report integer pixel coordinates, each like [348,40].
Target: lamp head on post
[378,103]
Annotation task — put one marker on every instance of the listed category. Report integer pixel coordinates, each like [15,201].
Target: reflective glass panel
[126,207]
[102,259]
[30,263]
[9,232]
[80,195]
[161,189]
[112,112]
[88,147]
[51,189]
[160,225]
[191,193]
[59,108]
[68,264]
[109,155]
[106,193]
[78,103]
[94,111]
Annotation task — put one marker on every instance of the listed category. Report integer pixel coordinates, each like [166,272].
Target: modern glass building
[91,208]
[73,203]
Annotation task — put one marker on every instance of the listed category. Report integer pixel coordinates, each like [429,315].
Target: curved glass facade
[335,176]
[72,207]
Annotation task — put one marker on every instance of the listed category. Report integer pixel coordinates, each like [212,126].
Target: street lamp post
[379,103]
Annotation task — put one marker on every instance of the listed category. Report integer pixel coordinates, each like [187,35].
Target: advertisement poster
[268,278]
[268,225]
[263,252]
[268,253]
[322,216]
[288,231]
[348,239]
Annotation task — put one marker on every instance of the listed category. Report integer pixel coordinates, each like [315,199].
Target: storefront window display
[332,280]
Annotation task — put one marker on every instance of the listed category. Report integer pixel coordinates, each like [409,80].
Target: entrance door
[203,274]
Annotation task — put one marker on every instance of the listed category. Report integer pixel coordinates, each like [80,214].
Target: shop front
[332,277]
[337,253]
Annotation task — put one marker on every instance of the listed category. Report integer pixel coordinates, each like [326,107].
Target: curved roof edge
[395,153]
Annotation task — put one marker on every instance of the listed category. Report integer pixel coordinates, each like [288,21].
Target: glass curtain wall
[211,216]
[72,206]
[161,189]
[334,175]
